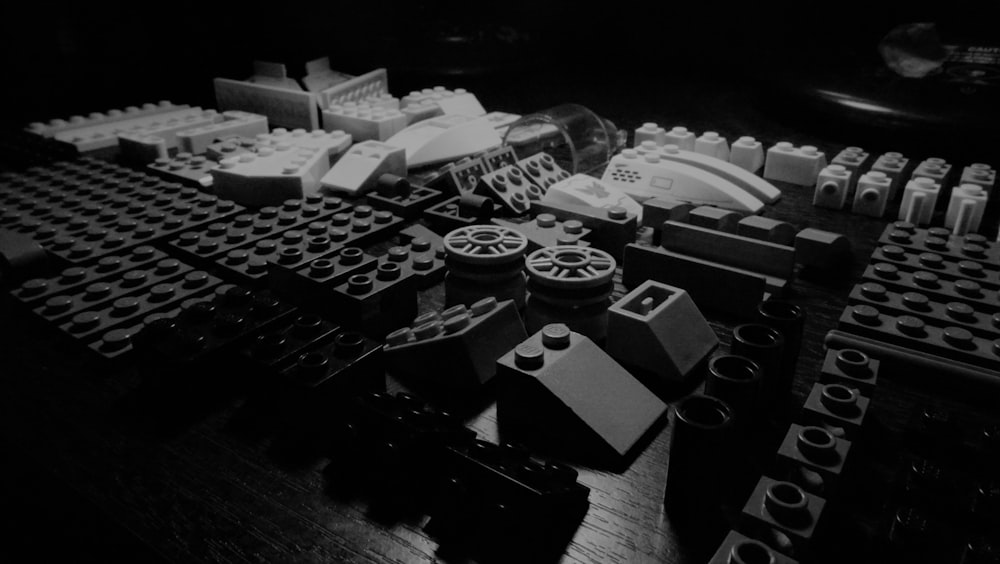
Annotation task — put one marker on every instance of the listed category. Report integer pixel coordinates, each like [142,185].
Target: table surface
[188,484]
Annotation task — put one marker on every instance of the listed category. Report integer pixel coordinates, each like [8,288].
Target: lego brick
[649,132]
[714,286]
[922,306]
[407,206]
[611,229]
[823,250]
[659,330]
[361,166]
[787,508]
[168,129]
[185,168]
[766,229]
[96,119]
[270,176]
[139,148]
[584,190]
[540,169]
[907,331]
[445,138]
[319,76]
[20,257]
[747,153]
[561,388]
[458,101]
[279,347]
[419,259]
[966,206]
[372,83]
[375,303]
[283,108]
[657,210]
[510,188]
[421,111]
[460,211]
[872,194]
[740,548]
[980,174]
[935,169]
[244,124]
[88,325]
[711,144]
[777,261]
[716,219]
[333,143]
[118,343]
[851,368]
[919,200]
[800,166]
[36,290]
[940,240]
[832,187]
[415,231]
[311,283]
[230,146]
[364,122]
[99,131]
[650,176]
[838,408]
[813,458]
[471,338]
[945,267]
[546,231]
[940,289]
[893,165]
[681,137]
[749,182]
[854,159]
[273,74]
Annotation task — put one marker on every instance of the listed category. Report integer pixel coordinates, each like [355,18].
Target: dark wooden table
[89,477]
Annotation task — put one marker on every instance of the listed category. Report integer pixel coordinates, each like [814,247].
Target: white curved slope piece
[650,176]
[445,138]
[755,185]
[585,190]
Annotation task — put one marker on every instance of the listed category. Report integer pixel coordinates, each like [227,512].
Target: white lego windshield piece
[585,190]
[445,138]
[753,184]
[649,176]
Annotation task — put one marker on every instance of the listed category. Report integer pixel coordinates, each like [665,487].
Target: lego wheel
[570,266]
[485,244]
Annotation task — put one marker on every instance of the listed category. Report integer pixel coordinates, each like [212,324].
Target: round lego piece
[485,244]
[570,266]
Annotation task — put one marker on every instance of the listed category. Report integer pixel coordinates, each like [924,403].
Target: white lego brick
[170,128]
[364,122]
[651,176]
[681,137]
[747,153]
[973,216]
[892,164]
[832,186]
[373,83]
[102,135]
[501,121]
[934,168]
[979,174]
[332,143]
[235,122]
[96,119]
[872,194]
[799,166]
[751,183]
[445,138]
[283,108]
[585,190]
[711,144]
[359,169]
[452,102]
[141,149]
[649,132]
[271,175]
[919,199]
[419,112]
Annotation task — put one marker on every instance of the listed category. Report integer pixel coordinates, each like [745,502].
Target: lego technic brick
[446,138]
[542,504]
[949,341]
[737,548]
[946,268]
[408,206]
[559,388]
[749,182]
[941,241]
[280,346]
[935,169]
[459,101]
[584,190]
[940,289]
[766,229]
[88,325]
[141,149]
[243,124]
[377,302]
[420,260]
[872,194]
[747,153]
[610,229]
[813,458]
[800,166]
[168,129]
[271,175]
[312,283]
[893,165]
[777,261]
[185,168]
[711,144]
[363,121]
[333,143]
[785,507]
[966,206]
[919,200]
[471,338]
[659,330]
[99,294]
[838,408]
[832,187]
[546,231]
[359,170]
[283,108]
[372,83]
[851,368]
[651,176]
[921,306]
[540,169]
[980,174]
[821,250]
[714,286]
[509,187]
[460,211]
[71,279]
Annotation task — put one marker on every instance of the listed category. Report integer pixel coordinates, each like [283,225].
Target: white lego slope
[751,183]
[445,138]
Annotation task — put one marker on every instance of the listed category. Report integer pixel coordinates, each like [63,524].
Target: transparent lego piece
[578,139]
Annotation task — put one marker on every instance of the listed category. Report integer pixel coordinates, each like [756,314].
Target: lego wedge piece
[270,176]
[585,190]
[359,169]
[444,139]
[658,329]
[560,388]
[651,176]
[733,250]
[749,182]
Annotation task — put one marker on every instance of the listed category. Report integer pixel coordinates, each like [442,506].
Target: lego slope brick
[445,138]
[360,168]
[141,149]
[561,388]
[283,108]
[658,329]
[733,250]
[584,190]
[787,163]
[270,176]
[471,338]
[459,101]
[751,183]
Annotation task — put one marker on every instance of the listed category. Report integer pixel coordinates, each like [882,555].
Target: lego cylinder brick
[735,380]
[570,284]
[765,346]
[790,320]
